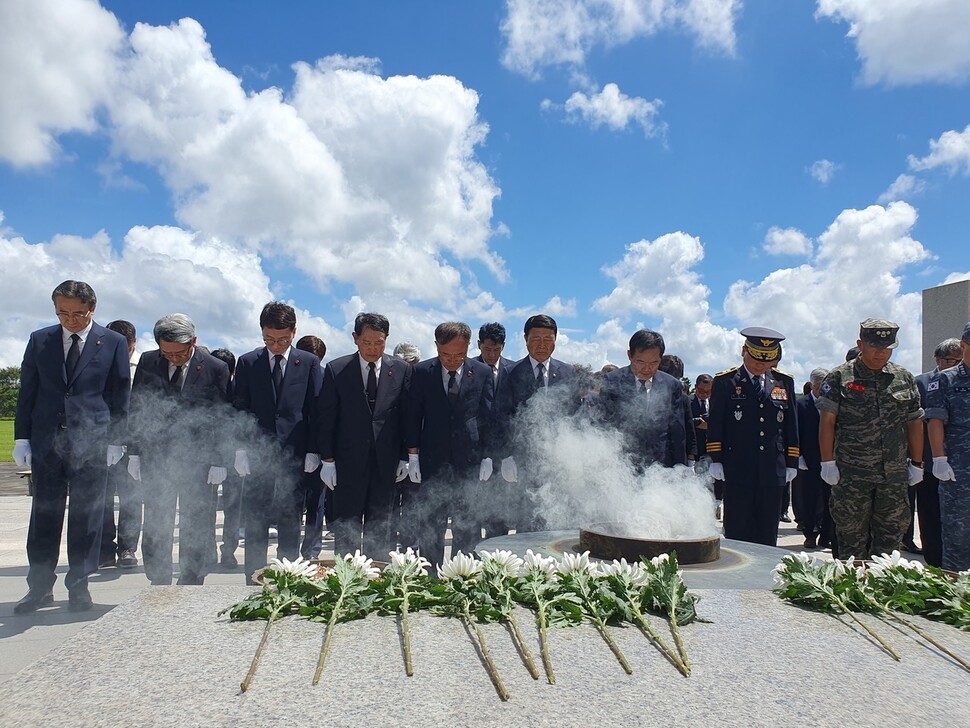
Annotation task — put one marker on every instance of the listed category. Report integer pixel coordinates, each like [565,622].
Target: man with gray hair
[927,496]
[177,398]
[408,352]
[813,492]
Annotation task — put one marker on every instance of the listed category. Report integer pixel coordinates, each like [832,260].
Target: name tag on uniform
[961,389]
[779,394]
[855,387]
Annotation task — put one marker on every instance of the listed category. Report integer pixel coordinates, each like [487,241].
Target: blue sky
[801,165]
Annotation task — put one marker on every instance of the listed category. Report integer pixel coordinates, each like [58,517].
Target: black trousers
[751,511]
[272,495]
[313,508]
[231,513]
[438,498]
[173,487]
[813,503]
[363,512]
[55,474]
[928,511]
[128,530]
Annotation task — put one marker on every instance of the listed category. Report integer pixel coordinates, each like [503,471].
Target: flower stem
[601,626]
[466,617]
[675,628]
[244,685]
[925,636]
[325,649]
[406,635]
[858,621]
[544,647]
[654,637]
[523,649]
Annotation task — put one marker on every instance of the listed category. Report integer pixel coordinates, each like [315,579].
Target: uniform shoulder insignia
[732,370]
[784,374]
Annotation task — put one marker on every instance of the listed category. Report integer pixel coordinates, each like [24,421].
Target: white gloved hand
[328,473]
[414,467]
[402,471]
[830,472]
[915,474]
[21,453]
[311,462]
[115,453]
[241,464]
[802,465]
[216,475]
[716,471]
[510,473]
[134,467]
[485,469]
[942,469]
[790,474]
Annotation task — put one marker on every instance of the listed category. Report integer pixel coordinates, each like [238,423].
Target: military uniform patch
[933,386]
[779,394]
[826,388]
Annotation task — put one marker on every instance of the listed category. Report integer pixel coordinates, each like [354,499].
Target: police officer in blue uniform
[752,438]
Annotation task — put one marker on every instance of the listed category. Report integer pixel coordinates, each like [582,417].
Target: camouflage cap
[879,333]
[966,333]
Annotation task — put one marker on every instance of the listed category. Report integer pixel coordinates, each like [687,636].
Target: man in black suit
[178,401]
[231,486]
[552,379]
[700,408]
[647,406]
[491,344]
[71,418]
[947,354]
[447,434]
[816,521]
[278,386]
[752,438]
[361,439]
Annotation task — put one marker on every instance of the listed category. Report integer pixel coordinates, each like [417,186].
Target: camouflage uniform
[870,503]
[948,399]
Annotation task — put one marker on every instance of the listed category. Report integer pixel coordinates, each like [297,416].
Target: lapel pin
[98,342]
[198,367]
[296,362]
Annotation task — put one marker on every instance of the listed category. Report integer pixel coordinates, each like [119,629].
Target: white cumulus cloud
[823,170]
[59,60]
[787,241]
[903,187]
[951,151]
[904,42]
[542,33]
[614,109]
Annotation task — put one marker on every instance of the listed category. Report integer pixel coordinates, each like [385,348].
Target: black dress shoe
[811,541]
[127,560]
[33,601]
[79,599]
[785,518]
[912,548]
[106,562]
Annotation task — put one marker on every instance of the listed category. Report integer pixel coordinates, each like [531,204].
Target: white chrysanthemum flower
[633,573]
[879,565]
[576,564]
[659,560]
[363,564]
[506,560]
[537,563]
[460,566]
[408,561]
[299,567]
[779,575]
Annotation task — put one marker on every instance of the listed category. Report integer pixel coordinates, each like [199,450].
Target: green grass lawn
[6,440]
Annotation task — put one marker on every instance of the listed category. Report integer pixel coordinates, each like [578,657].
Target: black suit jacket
[654,425]
[442,435]
[186,423]
[288,422]
[347,427]
[520,388]
[808,418]
[696,410]
[754,435]
[92,407]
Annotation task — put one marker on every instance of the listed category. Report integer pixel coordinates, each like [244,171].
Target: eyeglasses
[950,361]
[64,315]
[282,341]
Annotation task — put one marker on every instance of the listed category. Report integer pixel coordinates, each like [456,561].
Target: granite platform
[165,659]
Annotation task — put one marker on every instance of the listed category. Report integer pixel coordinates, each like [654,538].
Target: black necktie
[278,373]
[176,379]
[540,376]
[371,385]
[641,386]
[758,387]
[452,389]
[73,354]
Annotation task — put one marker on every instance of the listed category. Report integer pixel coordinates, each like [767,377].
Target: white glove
[915,474]
[414,467]
[134,467]
[311,462]
[216,475]
[21,453]
[802,465]
[328,473]
[402,471]
[510,473]
[942,469]
[485,469]
[241,465]
[830,472]
[115,453]
[790,474]
[716,471]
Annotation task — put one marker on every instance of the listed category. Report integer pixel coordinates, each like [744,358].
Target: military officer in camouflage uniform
[948,416]
[752,438]
[869,415]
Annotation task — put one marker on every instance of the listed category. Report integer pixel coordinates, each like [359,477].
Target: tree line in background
[9,387]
